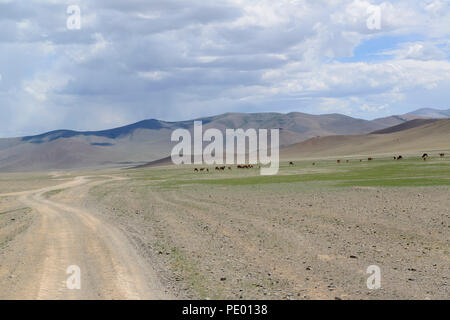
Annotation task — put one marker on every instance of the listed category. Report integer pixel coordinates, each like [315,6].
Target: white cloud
[153,75]
[419,51]
[375,109]
[182,59]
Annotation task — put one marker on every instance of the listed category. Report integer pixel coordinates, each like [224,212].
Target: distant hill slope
[406,125]
[431,113]
[424,113]
[149,140]
[427,137]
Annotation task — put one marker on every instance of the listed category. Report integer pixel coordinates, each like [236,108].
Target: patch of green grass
[16,210]
[192,275]
[383,173]
[52,193]
[405,182]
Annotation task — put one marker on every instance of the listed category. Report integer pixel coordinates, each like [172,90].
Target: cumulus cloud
[179,59]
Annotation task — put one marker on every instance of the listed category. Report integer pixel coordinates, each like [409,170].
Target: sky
[182,59]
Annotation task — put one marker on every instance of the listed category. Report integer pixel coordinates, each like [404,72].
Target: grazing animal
[442,155]
[395,158]
[217,168]
[347,161]
[369,159]
[360,160]
[314,163]
[229,168]
[291,163]
[399,157]
[338,161]
[202,169]
[425,156]
[195,170]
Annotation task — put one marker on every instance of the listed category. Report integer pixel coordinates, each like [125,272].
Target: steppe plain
[309,232]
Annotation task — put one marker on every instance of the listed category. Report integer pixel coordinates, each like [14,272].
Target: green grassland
[381,172]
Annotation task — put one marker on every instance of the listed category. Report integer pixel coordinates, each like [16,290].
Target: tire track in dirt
[62,236]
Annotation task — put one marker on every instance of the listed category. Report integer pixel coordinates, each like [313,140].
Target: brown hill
[406,125]
[424,113]
[425,138]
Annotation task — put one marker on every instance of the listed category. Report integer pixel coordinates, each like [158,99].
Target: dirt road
[34,264]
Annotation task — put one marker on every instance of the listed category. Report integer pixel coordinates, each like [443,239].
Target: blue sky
[182,59]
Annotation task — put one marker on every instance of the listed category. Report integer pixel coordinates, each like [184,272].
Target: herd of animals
[425,156]
[245,166]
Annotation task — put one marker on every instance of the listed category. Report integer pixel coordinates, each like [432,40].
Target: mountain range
[149,140]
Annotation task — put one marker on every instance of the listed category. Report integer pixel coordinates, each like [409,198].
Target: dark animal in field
[217,168]
[291,163]
[229,168]
[313,163]
[360,160]
[425,156]
[338,161]
[222,168]
[399,157]
[442,155]
[202,169]
[347,161]
[195,170]
[207,170]
[369,159]
[395,158]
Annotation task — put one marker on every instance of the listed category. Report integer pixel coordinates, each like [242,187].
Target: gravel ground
[286,241]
